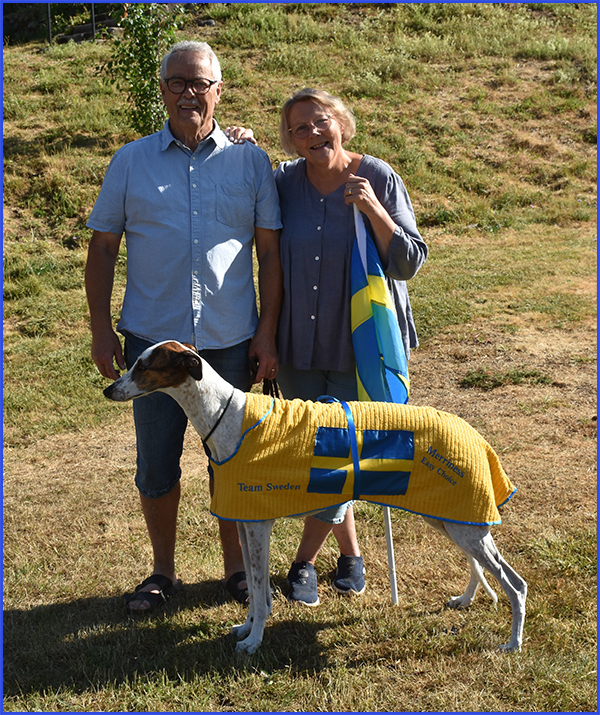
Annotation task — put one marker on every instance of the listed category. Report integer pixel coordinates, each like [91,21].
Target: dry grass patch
[64,574]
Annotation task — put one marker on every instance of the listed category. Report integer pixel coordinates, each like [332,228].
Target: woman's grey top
[316,249]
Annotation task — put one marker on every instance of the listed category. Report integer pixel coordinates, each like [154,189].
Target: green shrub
[149,31]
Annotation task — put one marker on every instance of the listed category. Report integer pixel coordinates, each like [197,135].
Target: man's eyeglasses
[200,85]
[300,131]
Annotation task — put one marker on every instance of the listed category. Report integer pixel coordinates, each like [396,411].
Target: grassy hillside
[488,112]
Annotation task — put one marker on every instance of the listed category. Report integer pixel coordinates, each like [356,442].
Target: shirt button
[195,273]
[195,240]
[195,213]
[312,317]
[316,258]
[193,186]
[318,228]
[321,200]
[314,287]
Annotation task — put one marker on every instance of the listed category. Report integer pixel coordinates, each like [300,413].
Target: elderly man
[190,204]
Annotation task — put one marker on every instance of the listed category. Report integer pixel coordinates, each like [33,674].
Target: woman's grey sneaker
[302,580]
[350,576]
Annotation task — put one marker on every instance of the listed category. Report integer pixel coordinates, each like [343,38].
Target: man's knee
[155,488]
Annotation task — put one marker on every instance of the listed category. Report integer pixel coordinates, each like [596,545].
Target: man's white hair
[199,48]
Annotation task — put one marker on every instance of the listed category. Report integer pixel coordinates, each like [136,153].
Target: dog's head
[166,364]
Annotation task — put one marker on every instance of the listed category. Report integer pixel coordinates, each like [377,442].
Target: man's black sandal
[240,595]
[168,589]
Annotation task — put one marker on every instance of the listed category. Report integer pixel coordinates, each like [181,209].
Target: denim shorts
[160,423]
[310,385]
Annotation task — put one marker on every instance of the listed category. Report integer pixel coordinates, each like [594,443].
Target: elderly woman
[316,193]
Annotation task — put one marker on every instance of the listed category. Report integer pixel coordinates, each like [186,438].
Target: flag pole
[390,554]
[361,244]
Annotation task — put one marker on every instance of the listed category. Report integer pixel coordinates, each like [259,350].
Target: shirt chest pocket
[235,205]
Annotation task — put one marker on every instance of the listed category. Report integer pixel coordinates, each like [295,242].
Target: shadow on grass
[94,643]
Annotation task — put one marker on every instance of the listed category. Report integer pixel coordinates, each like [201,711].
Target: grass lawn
[488,112]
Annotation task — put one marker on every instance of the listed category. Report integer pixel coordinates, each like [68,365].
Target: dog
[216,410]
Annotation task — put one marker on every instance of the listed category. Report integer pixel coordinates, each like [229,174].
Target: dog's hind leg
[477,575]
[255,539]
[478,543]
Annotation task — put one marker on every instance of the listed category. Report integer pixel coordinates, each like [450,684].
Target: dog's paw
[241,631]
[457,602]
[509,647]
[249,646]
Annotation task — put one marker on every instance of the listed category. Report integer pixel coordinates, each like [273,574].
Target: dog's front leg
[255,548]
[244,629]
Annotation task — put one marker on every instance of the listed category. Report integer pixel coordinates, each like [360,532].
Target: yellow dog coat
[297,457]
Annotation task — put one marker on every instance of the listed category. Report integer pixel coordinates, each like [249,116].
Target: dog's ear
[193,363]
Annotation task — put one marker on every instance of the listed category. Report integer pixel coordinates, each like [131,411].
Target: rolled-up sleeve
[108,214]
[408,251]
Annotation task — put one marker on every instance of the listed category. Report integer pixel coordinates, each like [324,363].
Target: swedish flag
[381,366]
[386,459]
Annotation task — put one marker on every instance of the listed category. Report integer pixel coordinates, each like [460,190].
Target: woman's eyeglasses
[300,131]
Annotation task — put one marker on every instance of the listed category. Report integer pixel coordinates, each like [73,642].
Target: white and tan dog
[216,410]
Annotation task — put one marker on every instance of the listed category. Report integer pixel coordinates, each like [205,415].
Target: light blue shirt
[189,223]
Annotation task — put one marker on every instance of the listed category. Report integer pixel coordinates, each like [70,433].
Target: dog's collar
[216,424]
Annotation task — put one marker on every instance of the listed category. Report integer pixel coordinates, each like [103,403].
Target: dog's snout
[115,391]
[122,389]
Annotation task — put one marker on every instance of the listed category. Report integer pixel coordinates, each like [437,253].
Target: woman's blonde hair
[331,104]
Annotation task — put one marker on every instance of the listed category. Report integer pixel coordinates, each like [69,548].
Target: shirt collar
[217,136]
